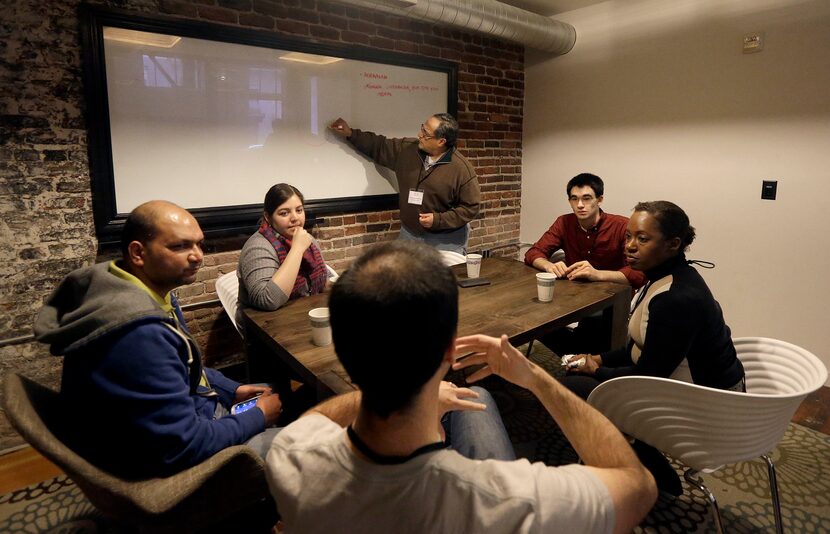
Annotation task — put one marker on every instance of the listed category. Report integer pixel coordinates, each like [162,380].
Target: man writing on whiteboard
[437,187]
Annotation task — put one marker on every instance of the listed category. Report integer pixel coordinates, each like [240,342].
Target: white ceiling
[551,7]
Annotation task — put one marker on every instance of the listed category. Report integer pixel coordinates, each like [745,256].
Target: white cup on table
[473,265]
[544,286]
[320,326]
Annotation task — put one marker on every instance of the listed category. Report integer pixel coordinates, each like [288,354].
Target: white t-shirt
[320,485]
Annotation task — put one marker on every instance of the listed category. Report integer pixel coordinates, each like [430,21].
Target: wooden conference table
[508,305]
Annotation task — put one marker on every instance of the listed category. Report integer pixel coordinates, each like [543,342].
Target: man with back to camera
[594,245]
[131,369]
[390,471]
[438,192]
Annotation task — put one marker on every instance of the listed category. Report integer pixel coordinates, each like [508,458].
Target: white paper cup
[544,286]
[320,326]
[473,265]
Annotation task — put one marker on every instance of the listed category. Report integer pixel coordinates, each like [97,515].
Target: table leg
[330,383]
[265,367]
[616,316]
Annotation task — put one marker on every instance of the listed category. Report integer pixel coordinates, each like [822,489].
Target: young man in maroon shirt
[593,242]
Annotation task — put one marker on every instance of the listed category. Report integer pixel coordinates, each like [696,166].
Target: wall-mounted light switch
[768,189]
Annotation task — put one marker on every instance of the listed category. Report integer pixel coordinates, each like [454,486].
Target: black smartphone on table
[473,282]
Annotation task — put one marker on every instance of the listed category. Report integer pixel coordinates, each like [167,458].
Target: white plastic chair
[706,428]
[227,289]
[451,258]
[557,256]
[333,276]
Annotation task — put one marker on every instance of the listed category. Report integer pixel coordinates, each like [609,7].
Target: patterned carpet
[55,506]
[802,461]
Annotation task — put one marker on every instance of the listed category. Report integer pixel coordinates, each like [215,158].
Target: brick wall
[46,225]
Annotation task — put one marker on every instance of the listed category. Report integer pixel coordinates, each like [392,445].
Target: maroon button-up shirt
[602,246]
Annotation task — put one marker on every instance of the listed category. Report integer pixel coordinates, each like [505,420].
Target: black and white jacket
[676,330]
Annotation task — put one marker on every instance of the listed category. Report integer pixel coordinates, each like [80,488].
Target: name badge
[416,197]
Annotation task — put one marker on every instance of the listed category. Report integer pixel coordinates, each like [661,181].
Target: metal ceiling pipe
[487,17]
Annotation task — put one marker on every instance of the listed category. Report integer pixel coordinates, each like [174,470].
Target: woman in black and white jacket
[676,327]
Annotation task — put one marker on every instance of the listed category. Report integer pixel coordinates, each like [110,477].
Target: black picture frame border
[220,220]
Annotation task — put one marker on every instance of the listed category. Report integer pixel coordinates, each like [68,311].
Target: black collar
[666,267]
[390,460]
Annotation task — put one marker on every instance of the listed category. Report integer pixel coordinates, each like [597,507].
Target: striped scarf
[312,276]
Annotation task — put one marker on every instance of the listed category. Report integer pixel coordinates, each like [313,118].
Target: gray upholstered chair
[228,488]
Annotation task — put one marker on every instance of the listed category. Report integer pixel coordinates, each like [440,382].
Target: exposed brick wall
[46,227]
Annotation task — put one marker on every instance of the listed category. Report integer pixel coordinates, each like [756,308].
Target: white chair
[557,256]
[451,258]
[227,289]
[333,276]
[706,428]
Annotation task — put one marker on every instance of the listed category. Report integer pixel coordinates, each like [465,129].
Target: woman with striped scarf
[281,261]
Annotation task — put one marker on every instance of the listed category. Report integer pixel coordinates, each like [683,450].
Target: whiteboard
[206,124]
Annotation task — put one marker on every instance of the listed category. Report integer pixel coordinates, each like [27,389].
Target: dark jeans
[581,385]
[591,336]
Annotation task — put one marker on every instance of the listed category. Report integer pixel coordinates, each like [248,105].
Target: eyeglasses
[584,198]
[424,134]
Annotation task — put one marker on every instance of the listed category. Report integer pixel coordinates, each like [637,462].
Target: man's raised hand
[498,356]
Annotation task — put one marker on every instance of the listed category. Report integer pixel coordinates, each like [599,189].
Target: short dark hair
[671,219]
[278,194]
[586,179]
[447,128]
[394,313]
[140,226]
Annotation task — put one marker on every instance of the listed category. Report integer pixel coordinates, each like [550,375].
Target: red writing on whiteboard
[376,75]
[384,93]
[372,86]
[410,88]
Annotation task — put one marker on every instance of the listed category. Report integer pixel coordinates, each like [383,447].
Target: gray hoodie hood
[88,304]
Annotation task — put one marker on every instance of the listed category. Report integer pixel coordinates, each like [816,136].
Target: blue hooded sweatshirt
[137,401]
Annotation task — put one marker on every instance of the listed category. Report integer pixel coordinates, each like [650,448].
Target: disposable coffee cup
[320,326]
[473,265]
[544,286]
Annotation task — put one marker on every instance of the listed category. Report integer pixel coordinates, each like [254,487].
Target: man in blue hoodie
[141,403]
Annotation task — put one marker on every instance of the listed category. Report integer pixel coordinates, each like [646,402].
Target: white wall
[658,99]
